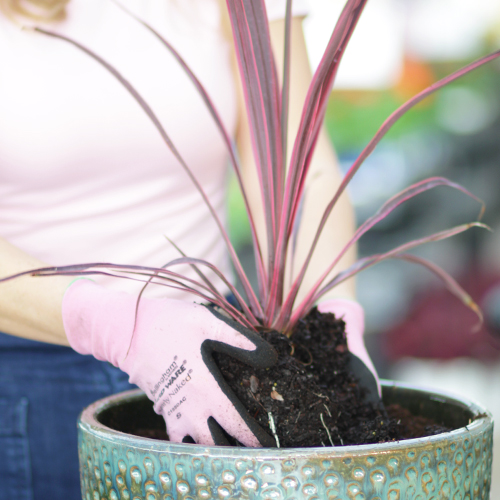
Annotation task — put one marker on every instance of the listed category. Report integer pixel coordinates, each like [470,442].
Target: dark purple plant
[282,185]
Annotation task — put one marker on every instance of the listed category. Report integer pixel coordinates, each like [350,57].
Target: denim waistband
[12,342]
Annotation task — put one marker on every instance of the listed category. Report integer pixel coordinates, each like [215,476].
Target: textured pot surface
[454,465]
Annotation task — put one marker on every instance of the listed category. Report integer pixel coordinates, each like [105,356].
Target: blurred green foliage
[237,220]
[352,118]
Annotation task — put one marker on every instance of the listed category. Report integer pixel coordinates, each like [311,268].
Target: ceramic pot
[455,465]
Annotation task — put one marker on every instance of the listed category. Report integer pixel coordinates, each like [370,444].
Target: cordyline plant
[282,185]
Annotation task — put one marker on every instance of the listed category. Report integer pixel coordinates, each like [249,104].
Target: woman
[85,177]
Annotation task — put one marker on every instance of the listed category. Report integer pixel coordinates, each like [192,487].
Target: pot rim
[87,422]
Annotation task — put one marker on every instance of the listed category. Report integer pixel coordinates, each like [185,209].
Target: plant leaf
[222,129]
[366,262]
[213,289]
[371,145]
[450,283]
[388,207]
[254,303]
[310,124]
[315,105]
[260,88]
[285,90]
[386,126]
[165,276]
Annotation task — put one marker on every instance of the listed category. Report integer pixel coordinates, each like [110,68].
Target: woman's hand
[166,350]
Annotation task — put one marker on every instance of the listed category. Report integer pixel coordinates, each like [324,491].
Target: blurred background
[416,330]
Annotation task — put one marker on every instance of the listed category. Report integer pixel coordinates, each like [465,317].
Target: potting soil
[310,398]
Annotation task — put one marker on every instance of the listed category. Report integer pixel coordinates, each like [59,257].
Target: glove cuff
[98,321]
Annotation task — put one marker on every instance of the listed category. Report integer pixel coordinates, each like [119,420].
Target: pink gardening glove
[354,318]
[170,358]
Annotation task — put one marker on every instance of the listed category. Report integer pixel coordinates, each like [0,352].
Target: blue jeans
[43,388]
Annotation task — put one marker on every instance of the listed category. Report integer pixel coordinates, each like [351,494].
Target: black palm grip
[263,356]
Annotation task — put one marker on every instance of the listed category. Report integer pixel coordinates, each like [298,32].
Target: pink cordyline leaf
[213,289]
[217,300]
[388,207]
[197,262]
[315,105]
[441,235]
[311,122]
[371,146]
[450,283]
[158,272]
[165,277]
[396,115]
[253,301]
[367,262]
[285,89]
[371,260]
[168,282]
[225,135]
[267,118]
[260,88]
[197,270]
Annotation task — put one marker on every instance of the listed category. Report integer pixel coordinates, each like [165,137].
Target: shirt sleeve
[276,8]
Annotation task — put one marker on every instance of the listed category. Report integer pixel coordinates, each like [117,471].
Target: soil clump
[310,398]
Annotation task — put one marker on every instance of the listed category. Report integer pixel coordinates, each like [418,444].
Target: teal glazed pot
[456,465]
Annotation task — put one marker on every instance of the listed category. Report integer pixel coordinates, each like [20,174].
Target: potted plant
[117,464]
